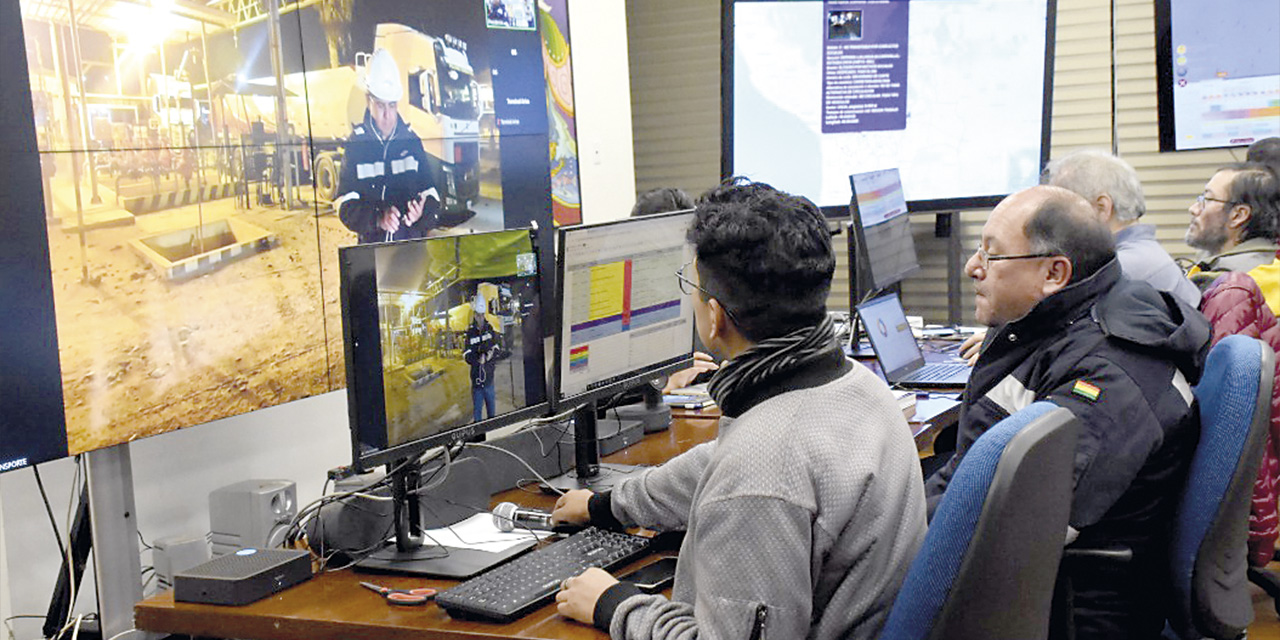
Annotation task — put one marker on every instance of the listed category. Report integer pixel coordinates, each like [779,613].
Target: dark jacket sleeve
[358,211]
[426,186]
[1118,433]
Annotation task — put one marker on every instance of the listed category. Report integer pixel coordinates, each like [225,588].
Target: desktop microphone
[507,516]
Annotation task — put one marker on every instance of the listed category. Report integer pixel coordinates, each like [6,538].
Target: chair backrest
[987,566]
[1208,558]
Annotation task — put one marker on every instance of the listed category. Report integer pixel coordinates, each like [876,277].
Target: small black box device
[243,576]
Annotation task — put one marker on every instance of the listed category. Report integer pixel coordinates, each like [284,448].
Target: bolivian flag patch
[1086,390]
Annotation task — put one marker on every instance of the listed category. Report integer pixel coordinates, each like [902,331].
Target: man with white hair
[1112,187]
[387,190]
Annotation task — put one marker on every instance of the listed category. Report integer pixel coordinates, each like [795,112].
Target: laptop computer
[898,352]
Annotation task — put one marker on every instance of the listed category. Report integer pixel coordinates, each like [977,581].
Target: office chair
[1207,553]
[1009,498]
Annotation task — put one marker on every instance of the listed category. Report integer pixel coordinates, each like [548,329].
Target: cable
[9,627]
[53,521]
[57,536]
[521,460]
[117,636]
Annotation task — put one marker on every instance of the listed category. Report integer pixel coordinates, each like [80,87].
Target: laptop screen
[891,338]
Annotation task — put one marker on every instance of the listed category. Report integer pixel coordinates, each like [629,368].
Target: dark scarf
[806,357]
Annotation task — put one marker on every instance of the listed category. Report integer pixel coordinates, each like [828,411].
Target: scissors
[403,597]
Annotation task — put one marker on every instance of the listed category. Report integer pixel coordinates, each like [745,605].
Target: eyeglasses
[1202,198]
[985,259]
[687,287]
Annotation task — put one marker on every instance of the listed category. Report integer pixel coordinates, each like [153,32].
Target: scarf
[735,384]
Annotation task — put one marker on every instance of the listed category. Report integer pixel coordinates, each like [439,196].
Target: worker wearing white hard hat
[387,187]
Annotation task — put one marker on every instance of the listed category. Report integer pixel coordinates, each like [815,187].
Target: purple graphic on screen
[864,65]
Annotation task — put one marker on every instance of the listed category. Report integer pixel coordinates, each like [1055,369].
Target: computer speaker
[252,513]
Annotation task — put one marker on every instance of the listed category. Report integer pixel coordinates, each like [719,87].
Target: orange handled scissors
[403,597]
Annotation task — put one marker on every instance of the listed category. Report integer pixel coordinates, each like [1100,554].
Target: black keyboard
[937,371]
[509,591]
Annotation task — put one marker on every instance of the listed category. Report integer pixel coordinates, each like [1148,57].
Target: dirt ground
[143,355]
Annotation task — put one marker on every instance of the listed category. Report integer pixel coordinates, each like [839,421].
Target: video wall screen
[955,94]
[1217,73]
[202,163]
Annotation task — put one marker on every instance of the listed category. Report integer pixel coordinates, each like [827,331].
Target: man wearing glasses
[1067,327]
[802,517]
[1234,225]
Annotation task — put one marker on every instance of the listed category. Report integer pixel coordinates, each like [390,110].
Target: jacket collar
[1063,307]
[373,127]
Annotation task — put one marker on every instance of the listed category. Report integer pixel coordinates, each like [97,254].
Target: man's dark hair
[1255,184]
[661,200]
[1266,151]
[765,255]
[1066,225]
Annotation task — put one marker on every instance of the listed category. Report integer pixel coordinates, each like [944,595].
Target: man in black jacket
[1067,327]
[386,188]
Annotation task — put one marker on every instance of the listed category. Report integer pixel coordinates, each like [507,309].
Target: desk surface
[333,606]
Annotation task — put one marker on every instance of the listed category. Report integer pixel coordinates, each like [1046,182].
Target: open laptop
[898,352]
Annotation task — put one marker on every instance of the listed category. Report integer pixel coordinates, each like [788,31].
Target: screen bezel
[838,211]
[366,399]
[633,379]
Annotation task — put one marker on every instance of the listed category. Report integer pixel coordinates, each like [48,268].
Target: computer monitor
[444,342]
[882,251]
[623,318]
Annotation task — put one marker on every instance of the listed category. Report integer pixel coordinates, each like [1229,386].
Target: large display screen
[955,94]
[199,163]
[442,333]
[1218,72]
[623,315]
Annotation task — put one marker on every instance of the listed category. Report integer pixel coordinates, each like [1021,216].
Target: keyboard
[512,590]
[936,372]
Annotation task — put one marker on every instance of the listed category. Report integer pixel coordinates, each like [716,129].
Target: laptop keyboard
[937,371]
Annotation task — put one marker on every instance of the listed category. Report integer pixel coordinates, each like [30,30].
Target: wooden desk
[333,606]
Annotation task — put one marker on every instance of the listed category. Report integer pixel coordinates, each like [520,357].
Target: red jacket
[1234,305]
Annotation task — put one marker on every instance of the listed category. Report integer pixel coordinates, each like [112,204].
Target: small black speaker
[242,577]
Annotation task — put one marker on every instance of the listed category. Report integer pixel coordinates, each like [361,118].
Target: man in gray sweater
[802,517]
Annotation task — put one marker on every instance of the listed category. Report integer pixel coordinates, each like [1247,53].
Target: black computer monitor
[623,319]
[444,342]
[882,251]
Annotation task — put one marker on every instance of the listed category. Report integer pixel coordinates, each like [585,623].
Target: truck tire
[326,176]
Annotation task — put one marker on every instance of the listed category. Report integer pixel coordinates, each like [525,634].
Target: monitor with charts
[898,353]
[886,252]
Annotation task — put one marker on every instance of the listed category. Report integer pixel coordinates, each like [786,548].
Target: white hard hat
[382,78]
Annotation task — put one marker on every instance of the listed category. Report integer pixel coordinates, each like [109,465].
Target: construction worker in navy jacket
[386,190]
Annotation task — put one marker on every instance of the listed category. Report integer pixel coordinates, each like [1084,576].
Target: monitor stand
[412,553]
[652,414]
[588,471]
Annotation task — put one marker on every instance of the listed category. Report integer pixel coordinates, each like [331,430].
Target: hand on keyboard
[578,595]
[511,590]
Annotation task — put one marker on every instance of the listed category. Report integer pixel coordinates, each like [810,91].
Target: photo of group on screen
[844,25]
[509,14]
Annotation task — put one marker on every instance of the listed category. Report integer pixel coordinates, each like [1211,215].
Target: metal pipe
[84,105]
[282,124]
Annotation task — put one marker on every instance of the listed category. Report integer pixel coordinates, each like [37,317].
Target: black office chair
[1010,498]
[1208,550]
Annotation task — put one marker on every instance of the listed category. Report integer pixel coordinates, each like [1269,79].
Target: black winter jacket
[1121,356]
[377,174]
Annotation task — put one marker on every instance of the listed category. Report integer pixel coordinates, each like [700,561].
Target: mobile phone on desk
[654,577]
[678,401]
